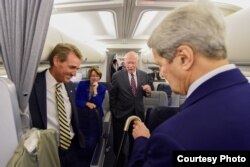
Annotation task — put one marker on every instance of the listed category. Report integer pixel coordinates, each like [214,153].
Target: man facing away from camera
[189,47]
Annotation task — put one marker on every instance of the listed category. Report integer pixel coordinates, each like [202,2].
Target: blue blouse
[83,95]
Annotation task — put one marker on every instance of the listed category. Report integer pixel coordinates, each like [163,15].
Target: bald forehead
[131,55]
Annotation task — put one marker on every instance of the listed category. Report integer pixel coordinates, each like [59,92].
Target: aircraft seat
[107,84]
[158,115]
[11,127]
[177,100]
[166,88]
[105,104]
[100,150]
[157,98]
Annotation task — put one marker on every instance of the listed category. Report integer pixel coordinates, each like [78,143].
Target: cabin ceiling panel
[131,18]
[86,25]
[63,6]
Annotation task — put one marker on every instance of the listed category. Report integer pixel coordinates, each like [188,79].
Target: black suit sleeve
[150,81]
[113,94]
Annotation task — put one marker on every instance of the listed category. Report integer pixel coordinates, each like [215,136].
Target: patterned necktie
[133,84]
[64,137]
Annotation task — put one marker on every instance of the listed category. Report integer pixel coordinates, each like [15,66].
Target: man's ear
[186,56]
[56,60]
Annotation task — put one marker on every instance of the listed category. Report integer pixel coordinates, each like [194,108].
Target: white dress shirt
[52,113]
[135,77]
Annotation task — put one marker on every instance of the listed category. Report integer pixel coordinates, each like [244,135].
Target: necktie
[133,84]
[64,135]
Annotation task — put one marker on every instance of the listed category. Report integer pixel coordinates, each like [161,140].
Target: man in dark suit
[126,99]
[114,67]
[189,48]
[65,59]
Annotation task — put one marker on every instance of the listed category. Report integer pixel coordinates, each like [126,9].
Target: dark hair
[98,72]
[62,50]
[114,61]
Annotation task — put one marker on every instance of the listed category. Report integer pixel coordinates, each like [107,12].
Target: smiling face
[94,77]
[63,71]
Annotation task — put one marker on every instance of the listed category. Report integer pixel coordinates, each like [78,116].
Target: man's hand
[139,129]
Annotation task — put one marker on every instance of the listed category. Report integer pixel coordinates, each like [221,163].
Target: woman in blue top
[89,98]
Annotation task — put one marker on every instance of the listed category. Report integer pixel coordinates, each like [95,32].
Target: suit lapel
[220,81]
[70,93]
[127,81]
[138,78]
[41,96]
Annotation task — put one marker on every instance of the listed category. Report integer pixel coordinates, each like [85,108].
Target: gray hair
[131,53]
[199,25]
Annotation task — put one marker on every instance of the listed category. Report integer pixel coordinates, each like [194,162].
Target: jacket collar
[219,81]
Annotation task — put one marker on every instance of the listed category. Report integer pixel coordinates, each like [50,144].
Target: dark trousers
[73,156]
[90,123]
[118,133]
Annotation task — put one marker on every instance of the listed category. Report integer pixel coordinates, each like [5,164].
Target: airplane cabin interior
[104,30]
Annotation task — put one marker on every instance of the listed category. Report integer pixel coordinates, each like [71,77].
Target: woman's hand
[90,105]
[95,86]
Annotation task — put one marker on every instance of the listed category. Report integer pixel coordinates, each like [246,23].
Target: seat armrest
[99,154]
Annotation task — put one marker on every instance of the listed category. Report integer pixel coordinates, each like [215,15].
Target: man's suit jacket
[122,101]
[215,117]
[38,105]
[112,70]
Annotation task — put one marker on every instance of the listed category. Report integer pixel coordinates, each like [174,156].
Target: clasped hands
[90,105]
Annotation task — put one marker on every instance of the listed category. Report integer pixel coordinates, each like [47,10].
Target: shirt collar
[207,76]
[50,80]
[134,73]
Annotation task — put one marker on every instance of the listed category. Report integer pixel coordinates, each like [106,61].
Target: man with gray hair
[189,47]
[126,99]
